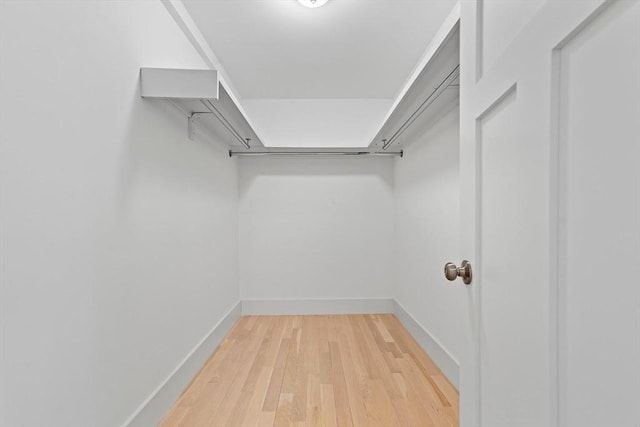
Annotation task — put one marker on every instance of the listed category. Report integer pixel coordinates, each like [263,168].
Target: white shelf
[211,112]
[432,91]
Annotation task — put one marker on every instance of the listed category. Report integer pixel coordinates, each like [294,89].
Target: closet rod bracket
[193,124]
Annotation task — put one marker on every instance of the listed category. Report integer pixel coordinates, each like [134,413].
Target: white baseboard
[316,306]
[163,398]
[440,356]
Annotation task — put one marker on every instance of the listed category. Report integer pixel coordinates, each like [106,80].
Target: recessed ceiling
[344,49]
[316,122]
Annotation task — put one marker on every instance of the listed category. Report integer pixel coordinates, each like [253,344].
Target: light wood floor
[356,370]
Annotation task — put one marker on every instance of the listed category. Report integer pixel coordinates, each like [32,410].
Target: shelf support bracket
[193,124]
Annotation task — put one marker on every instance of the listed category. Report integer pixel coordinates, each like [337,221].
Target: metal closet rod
[213,110]
[425,104]
[315,153]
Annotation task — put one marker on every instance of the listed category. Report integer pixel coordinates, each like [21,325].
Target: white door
[550,129]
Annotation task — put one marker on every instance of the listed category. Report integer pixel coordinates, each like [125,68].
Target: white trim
[179,13]
[558,238]
[436,351]
[316,306]
[183,19]
[162,399]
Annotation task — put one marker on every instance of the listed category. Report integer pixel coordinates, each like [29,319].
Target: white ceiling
[347,49]
[316,122]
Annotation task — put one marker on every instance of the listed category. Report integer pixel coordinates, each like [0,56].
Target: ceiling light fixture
[312,3]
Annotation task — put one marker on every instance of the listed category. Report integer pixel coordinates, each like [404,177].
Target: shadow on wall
[169,248]
[313,166]
[430,159]
[157,152]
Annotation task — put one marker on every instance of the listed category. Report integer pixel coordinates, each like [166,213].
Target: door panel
[599,128]
[502,297]
[506,315]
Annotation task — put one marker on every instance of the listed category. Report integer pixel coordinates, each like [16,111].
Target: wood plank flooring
[354,370]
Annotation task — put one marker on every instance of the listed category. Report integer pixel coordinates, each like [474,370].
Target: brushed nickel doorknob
[451,272]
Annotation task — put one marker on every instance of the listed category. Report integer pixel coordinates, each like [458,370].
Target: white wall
[427,219]
[119,235]
[315,227]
